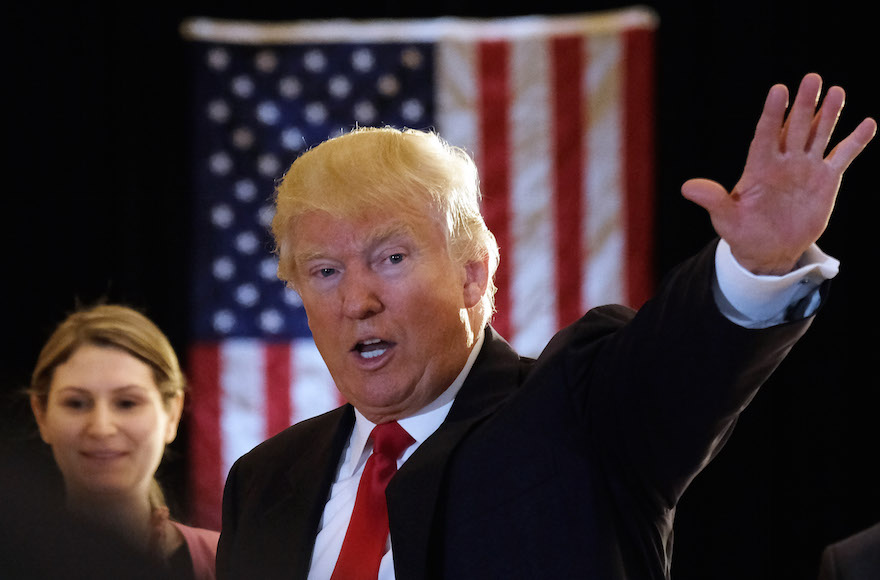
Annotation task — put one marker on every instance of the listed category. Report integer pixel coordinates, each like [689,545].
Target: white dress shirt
[744,298]
[761,301]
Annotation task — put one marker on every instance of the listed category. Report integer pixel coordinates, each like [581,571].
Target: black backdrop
[95,205]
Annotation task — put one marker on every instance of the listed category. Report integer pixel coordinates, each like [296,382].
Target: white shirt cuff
[760,301]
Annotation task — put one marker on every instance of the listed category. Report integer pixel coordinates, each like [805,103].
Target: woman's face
[106,422]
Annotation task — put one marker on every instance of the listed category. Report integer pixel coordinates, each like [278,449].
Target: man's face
[387,307]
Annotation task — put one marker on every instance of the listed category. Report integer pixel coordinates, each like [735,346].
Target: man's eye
[395,258]
[326,272]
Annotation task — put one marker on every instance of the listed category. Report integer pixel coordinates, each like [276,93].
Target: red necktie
[364,543]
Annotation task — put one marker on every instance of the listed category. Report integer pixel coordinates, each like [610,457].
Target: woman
[107,393]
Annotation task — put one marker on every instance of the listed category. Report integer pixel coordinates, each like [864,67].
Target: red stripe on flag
[206,479]
[638,160]
[277,372]
[569,161]
[494,155]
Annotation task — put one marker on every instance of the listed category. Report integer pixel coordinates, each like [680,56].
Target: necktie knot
[391,440]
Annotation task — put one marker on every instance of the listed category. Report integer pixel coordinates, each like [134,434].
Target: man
[568,466]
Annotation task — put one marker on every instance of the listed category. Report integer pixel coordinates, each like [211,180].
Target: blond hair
[402,170]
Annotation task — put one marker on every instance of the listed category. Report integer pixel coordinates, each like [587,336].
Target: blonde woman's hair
[112,326]
[401,170]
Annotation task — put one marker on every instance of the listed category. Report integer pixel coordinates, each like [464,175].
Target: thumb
[706,193]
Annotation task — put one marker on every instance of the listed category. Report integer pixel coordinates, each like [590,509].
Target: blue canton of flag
[257,109]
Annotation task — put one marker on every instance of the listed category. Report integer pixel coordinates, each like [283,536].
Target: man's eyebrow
[301,258]
[375,238]
[395,230]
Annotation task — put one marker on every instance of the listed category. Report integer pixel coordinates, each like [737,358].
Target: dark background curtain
[95,205]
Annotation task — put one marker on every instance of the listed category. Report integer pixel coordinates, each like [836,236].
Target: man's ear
[476,281]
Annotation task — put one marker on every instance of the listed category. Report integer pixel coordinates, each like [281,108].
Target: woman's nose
[102,420]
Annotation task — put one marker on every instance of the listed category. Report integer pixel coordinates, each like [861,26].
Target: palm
[782,202]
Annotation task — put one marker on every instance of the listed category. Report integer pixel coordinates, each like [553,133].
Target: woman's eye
[74,404]
[127,403]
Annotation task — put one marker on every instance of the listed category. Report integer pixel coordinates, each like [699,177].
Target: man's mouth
[372,348]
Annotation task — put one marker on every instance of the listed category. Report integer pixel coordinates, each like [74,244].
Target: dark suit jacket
[568,466]
[854,558]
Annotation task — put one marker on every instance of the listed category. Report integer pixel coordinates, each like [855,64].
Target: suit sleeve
[662,393]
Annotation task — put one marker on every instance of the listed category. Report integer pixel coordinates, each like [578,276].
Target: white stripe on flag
[313,391]
[533,293]
[242,403]
[604,273]
[456,94]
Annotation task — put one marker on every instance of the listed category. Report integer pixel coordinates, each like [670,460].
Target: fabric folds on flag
[558,112]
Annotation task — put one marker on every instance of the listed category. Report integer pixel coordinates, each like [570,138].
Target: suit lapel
[414,492]
[295,516]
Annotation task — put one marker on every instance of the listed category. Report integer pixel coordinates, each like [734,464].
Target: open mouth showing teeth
[371,348]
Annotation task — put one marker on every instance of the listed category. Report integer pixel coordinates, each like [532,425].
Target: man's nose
[360,294]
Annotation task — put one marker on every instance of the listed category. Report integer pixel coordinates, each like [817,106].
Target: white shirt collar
[420,426]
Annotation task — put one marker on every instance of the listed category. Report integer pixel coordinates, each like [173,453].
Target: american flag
[556,110]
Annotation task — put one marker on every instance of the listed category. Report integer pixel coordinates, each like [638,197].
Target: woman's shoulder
[202,546]
[202,534]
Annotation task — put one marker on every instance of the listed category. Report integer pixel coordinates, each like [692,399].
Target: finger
[800,118]
[847,150]
[706,193]
[770,124]
[826,120]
